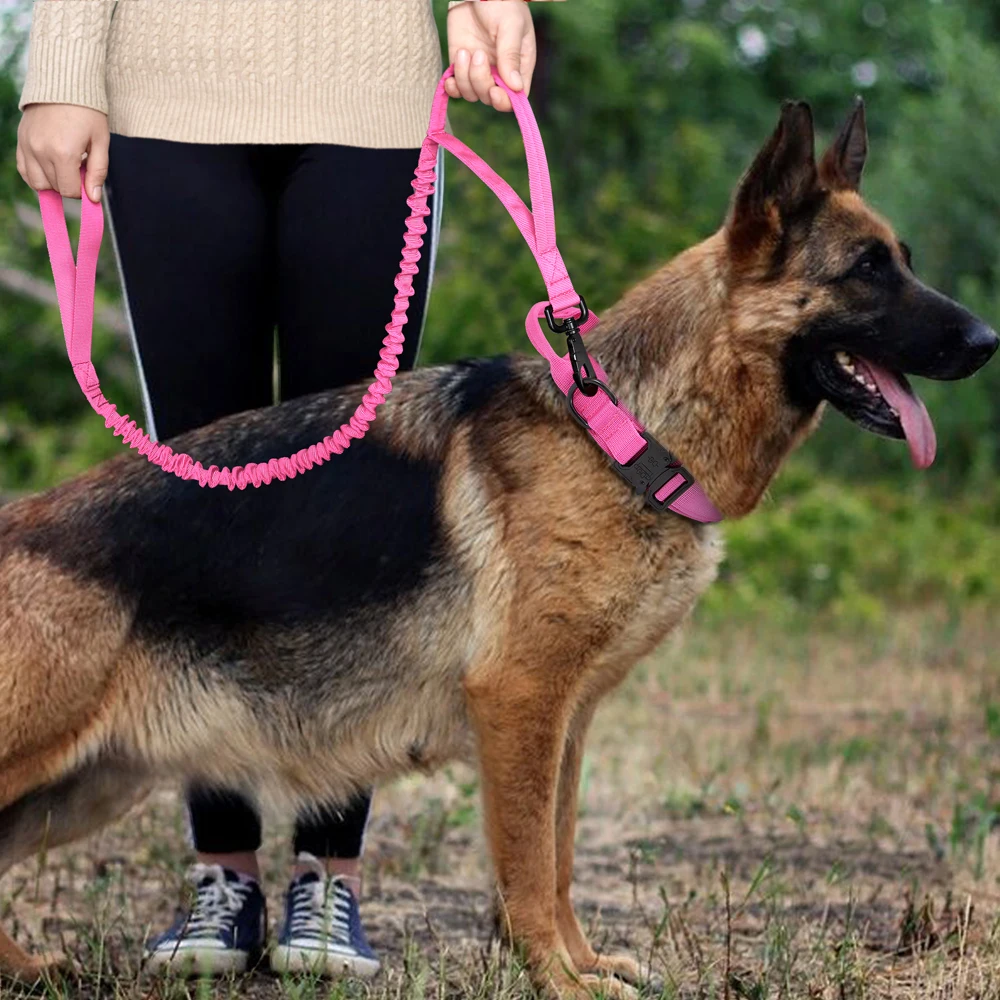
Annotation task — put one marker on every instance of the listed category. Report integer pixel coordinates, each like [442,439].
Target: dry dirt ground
[762,816]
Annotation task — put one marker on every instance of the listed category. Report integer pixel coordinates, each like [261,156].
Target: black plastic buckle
[651,468]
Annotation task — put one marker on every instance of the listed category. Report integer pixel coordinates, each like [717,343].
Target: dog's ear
[783,177]
[843,163]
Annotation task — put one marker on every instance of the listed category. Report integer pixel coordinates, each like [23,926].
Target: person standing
[255,157]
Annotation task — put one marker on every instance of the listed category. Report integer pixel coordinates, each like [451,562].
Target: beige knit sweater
[352,72]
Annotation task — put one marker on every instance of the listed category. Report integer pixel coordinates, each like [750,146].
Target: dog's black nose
[980,345]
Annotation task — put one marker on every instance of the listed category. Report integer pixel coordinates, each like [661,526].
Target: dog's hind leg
[58,813]
[521,726]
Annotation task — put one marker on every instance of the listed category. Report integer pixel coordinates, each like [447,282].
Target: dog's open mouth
[879,400]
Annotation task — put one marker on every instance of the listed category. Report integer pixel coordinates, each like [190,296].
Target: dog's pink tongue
[913,415]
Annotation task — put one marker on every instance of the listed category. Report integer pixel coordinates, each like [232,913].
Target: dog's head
[827,277]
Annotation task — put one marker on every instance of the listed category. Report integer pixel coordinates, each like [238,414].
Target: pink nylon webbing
[614,429]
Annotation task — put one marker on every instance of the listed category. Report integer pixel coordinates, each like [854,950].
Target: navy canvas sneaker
[322,933]
[224,932]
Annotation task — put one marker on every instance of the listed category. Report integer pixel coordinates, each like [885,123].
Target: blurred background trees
[650,110]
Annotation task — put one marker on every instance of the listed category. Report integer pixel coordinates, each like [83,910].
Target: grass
[762,815]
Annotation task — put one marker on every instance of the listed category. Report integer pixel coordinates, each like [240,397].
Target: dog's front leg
[583,955]
[521,724]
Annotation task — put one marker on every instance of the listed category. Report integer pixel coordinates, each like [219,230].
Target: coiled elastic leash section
[634,454]
[75,291]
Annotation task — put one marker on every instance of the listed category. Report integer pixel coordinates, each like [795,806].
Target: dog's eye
[864,268]
[870,265]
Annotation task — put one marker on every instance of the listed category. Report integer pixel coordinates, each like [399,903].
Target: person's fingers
[97,166]
[500,99]
[67,169]
[481,76]
[510,33]
[22,168]
[463,64]
[451,87]
[35,174]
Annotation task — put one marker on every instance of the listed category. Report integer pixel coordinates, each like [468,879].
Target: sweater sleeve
[67,53]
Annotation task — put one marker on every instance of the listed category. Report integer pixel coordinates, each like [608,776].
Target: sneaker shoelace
[321,908]
[217,903]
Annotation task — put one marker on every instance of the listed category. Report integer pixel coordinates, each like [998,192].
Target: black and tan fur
[469,580]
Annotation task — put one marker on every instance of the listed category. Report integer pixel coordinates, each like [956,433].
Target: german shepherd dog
[472,577]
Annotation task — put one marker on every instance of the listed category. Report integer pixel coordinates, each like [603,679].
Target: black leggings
[233,256]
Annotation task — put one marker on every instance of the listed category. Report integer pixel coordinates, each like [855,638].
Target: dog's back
[305,600]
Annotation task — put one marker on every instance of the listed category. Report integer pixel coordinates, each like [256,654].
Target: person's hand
[54,139]
[498,33]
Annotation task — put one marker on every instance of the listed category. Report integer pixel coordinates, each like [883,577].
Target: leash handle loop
[537,224]
[74,281]
[565,301]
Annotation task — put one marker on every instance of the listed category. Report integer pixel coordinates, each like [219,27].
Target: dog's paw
[604,986]
[42,965]
[622,967]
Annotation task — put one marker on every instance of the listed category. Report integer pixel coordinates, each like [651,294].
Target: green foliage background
[650,111]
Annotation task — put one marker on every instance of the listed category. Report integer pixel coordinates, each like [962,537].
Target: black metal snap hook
[566,325]
[584,369]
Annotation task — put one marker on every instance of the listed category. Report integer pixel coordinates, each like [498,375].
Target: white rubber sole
[321,962]
[198,961]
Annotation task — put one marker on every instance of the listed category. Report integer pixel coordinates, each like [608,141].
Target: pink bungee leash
[635,454]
